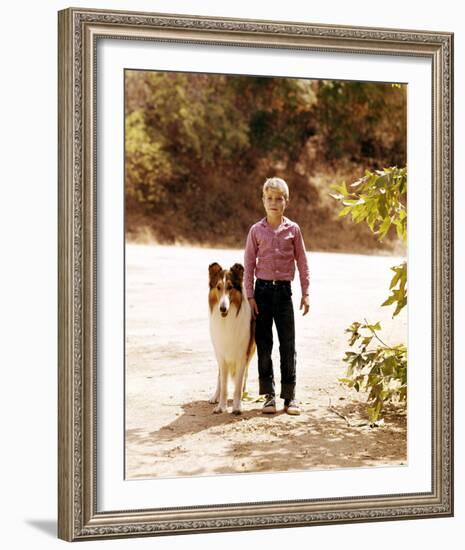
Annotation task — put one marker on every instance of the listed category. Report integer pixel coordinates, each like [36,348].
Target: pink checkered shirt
[271,254]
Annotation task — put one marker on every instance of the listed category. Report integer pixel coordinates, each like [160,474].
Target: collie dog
[232,331]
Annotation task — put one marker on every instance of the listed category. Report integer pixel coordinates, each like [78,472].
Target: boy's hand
[253,307]
[305,304]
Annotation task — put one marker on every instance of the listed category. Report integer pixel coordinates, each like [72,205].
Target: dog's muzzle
[224,307]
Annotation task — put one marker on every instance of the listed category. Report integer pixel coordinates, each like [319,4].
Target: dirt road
[171,372]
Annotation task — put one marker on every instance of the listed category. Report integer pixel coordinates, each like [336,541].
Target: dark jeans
[275,304]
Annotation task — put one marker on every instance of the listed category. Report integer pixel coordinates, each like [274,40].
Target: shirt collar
[285,223]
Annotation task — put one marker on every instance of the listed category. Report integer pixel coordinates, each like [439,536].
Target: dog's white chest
[231,334]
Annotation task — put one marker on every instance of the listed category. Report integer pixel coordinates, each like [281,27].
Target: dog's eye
[219,287]
[229,287]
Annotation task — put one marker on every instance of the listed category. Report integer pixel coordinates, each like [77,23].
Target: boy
[273,246]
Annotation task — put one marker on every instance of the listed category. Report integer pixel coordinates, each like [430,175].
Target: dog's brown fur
[229,283]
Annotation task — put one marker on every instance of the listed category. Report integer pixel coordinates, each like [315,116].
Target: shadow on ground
[197,416]
[252,442]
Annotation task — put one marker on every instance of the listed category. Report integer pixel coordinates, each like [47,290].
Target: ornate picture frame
[80,31]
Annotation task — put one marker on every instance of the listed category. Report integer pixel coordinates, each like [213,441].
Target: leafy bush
[378,199]
[380,371]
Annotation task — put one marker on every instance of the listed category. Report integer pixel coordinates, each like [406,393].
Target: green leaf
[341,189]
[344,211]
[375,327]
[373,412]
[389,301]
[395,279]
[384,227]
[367,340]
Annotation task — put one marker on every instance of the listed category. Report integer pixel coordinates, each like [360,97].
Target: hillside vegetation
[198,148]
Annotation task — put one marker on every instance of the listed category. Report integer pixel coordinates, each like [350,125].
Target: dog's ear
[214,270]
[238,272]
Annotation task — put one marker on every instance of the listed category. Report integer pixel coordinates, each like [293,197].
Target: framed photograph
[236,240]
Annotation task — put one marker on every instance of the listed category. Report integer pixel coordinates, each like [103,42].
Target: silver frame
[79,30]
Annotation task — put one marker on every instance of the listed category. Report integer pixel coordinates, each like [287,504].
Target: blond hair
[278,184]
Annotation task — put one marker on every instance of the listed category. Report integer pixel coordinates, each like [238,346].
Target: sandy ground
[171,372]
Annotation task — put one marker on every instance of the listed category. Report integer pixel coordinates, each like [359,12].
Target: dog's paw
[213,399]
[237,406]
[219,409]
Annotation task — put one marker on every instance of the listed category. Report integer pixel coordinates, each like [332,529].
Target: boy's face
[274,202]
